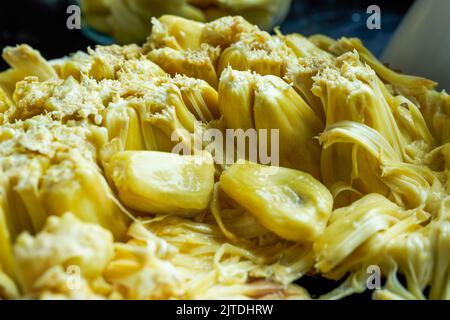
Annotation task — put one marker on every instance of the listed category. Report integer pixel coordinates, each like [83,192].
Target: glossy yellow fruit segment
[162,183]
[288,202]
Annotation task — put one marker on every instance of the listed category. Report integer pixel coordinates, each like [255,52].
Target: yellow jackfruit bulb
[24,62]
[300,74]
[371,165]
[259,52]
[440,283]
[140,70]
[411,86]
[162,183]
[79,63]
[200,98]
[227,30]
[175,32]
[323,42]
[244,59]
[163,115]
[435,107]
[79,187]
[236,98]
[278,106]
[8,288]
[64,242]
[347,88]
[199,64]
[48,169]
[169,133]
[6,257]
[122,122]
[414,259]
[302,46]
[5,102]
[351,226]
[290,203]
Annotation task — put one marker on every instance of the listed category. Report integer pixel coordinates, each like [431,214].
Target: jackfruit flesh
[162,183]
[268,103]
[63,241]
[288,202]
[48,167]
[113,183]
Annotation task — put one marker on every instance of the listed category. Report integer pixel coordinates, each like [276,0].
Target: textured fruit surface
[288,202]
[157,182]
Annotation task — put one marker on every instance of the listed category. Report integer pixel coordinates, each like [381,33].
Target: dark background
[42,23]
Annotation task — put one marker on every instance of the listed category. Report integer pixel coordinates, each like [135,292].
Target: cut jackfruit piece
[200,98]
[123,123]
[49,168]
[82,189]
[227,30]
[6,256]
[288,202]
[278,106]
[268,103]
[67,242]
[375,166]
[411,86]
[176,33]
[199,64]
[236,98]
[303,47]
[259,52]
[301,74]
[162,183]
[24,62]
[351,226]
[5,102]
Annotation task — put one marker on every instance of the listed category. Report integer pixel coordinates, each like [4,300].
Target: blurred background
[42,23]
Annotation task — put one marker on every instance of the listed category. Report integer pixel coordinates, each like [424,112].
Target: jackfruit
[410,86]
[353,234]
[24,62]
[236,99]
[278,106]
[48,169]
[268,103]
[172,257]
[199,64]
[64,241]
[288,202]
[126,21]
[162,183]
[77,133]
